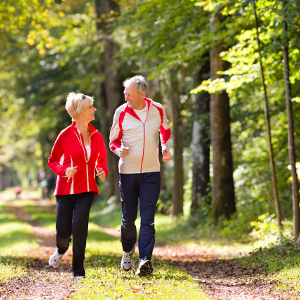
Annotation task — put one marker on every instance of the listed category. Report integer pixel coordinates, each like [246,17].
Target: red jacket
[69,151]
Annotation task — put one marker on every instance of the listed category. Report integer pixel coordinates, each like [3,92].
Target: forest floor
[219,278]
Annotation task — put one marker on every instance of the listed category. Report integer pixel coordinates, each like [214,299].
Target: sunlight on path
[41,281]
[220,278]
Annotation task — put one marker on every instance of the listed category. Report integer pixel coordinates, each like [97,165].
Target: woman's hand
[101,174]
[71,171]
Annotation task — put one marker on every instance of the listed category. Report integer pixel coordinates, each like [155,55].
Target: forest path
[220,278]
[41,281]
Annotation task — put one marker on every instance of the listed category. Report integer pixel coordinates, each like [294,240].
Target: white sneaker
[54,260]
[127,262]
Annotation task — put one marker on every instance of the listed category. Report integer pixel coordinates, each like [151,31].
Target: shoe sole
[144,271]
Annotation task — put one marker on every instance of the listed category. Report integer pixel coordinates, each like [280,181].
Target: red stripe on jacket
[141,138]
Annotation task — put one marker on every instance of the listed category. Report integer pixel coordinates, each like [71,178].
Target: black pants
[72,217]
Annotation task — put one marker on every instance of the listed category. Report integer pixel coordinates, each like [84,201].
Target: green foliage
[280,262]
[266,229]
[49,50]
[283,254]
[45,61]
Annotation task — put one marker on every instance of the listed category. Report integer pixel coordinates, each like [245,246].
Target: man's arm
[116,135]
[165,134]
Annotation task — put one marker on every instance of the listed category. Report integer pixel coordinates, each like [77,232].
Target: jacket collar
[132,112]
[92,128]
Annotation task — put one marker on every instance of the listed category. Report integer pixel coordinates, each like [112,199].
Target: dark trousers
[144,187]
[72,217]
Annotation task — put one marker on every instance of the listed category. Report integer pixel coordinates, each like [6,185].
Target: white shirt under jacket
[142,138]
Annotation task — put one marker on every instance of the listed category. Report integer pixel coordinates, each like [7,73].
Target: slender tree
[178,179]
[291,142]
[267,116]
[201,143]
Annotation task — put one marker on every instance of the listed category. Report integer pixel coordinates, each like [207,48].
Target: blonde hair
[77,103]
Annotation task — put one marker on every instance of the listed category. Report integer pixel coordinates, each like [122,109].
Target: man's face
[133,98]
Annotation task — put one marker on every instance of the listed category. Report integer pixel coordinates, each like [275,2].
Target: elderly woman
[78,153]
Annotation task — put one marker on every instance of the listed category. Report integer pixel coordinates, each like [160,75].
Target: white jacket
[141,138]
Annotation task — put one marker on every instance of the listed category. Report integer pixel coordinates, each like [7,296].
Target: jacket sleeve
[115,136]
[57,153]
[165,130]
[101,160]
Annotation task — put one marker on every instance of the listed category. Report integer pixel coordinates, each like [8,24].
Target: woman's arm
[101,160]
[56,154]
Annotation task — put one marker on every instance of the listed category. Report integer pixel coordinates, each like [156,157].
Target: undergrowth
[15,240]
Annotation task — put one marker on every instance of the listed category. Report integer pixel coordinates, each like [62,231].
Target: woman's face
[89,114]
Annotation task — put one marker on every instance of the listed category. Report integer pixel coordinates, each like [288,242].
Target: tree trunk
[223,196]
[267,116]
[178,179]
[201,145]
[291,143]
[110,181]
[111,92]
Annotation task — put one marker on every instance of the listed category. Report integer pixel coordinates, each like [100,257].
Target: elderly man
[134,137]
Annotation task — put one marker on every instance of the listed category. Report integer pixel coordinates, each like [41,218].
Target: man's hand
[101,174]
[124,151]
[166,155]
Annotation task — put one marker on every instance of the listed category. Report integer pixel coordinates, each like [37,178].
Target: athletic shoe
[127,262]
[54,260]
[145,268]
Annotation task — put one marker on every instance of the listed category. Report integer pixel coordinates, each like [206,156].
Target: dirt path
[42,281]
[220,278]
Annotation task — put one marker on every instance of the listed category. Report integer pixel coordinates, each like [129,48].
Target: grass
[103,253]
[8,193]
[106,281]
[170,231]
[15,240]
[104,214]
[42,216]
[280,263]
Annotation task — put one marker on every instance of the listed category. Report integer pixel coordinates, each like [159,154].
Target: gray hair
[139,81]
